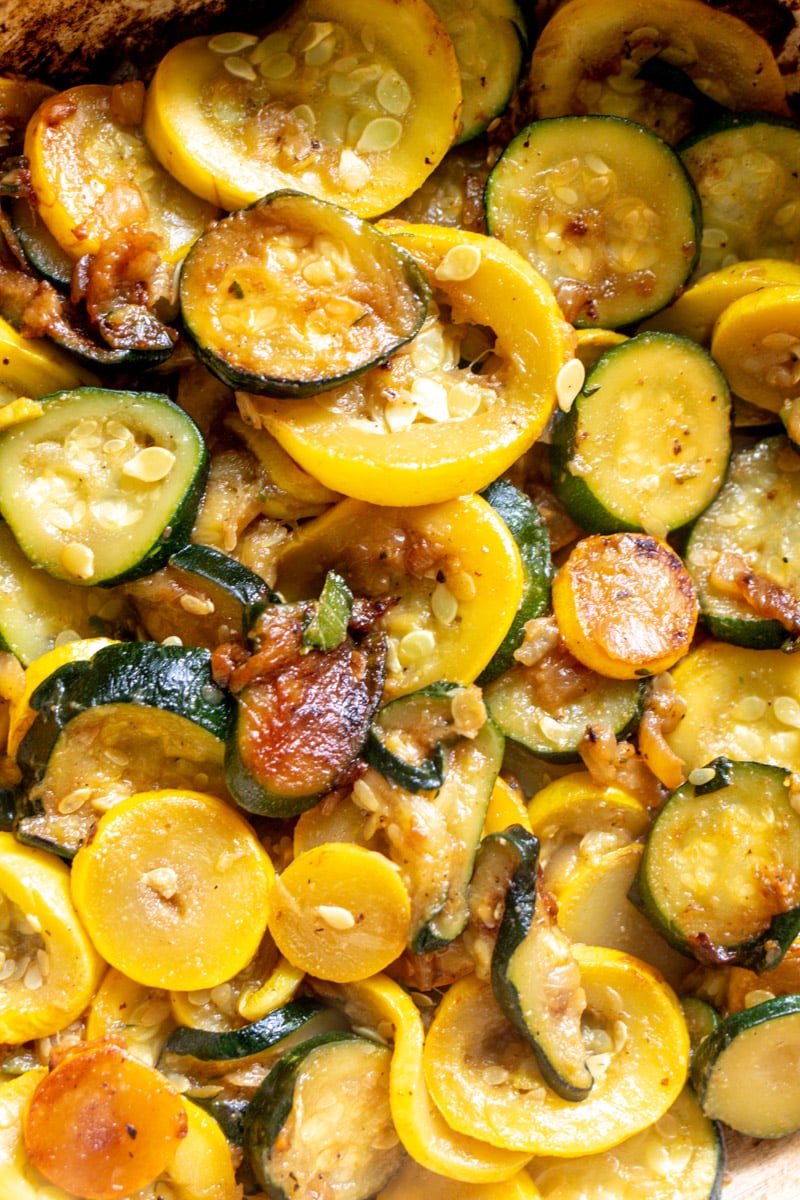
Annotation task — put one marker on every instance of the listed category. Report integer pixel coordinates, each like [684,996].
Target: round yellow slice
[173,889]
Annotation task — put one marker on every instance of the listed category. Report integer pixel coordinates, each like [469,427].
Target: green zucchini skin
[142,677]
[302,722]
[39,246]
[231,1044]
[519,714]
[471,768]
[490,41]
[221,571]
[739,1069]
[745,809]
[526,941]
[529,530]
[262,364]
[656,398]
[142,517]
[754,520]
[368,1169]
[424,718]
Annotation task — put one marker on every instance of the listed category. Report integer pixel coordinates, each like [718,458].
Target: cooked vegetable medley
[400,609]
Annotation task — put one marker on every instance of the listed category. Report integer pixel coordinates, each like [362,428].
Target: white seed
[460,263]
[383,133]
[78,560]
[354,173]
[416,646]
[444,605]
[163,880]
[751,708]
[430,397]
[74,800]
[393,93]
[701,775]
[150,465]
[235,65]
[314,33]
[787,711]
[400,413]
[569,381]
[198,606]
[278,66]
[320,54]
[231,43]
[335,916]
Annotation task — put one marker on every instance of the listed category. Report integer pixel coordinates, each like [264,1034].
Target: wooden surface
[762,1170]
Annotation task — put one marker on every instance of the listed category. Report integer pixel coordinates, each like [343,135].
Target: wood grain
[762,1170]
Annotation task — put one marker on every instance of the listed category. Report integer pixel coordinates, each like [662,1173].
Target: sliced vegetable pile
[399,688]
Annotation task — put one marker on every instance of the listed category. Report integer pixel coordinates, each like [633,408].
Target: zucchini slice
[435,834]
[717,877]
[406,740]
[549,706]
[295,295]
[223,1047]
[742,551]
[739,1070]
[104,485]
[322,1119]
[490,39]
[604,209]
[38,612]
[745,172]
[350,104]
[136,715]
[529,530]
[41,249]
[646,444]
[535,978]
[302,714]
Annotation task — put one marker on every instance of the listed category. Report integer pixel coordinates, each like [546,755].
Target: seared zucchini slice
[229,584]
[717,877]
[322,1119]
[302,714]
[603,209]
[137,715]
[646,443]
[742,552]
[295,295]
[352,104]
[104,485]
[529,530]
[552,723]
[739,1070]
[535,979]
[745,172]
